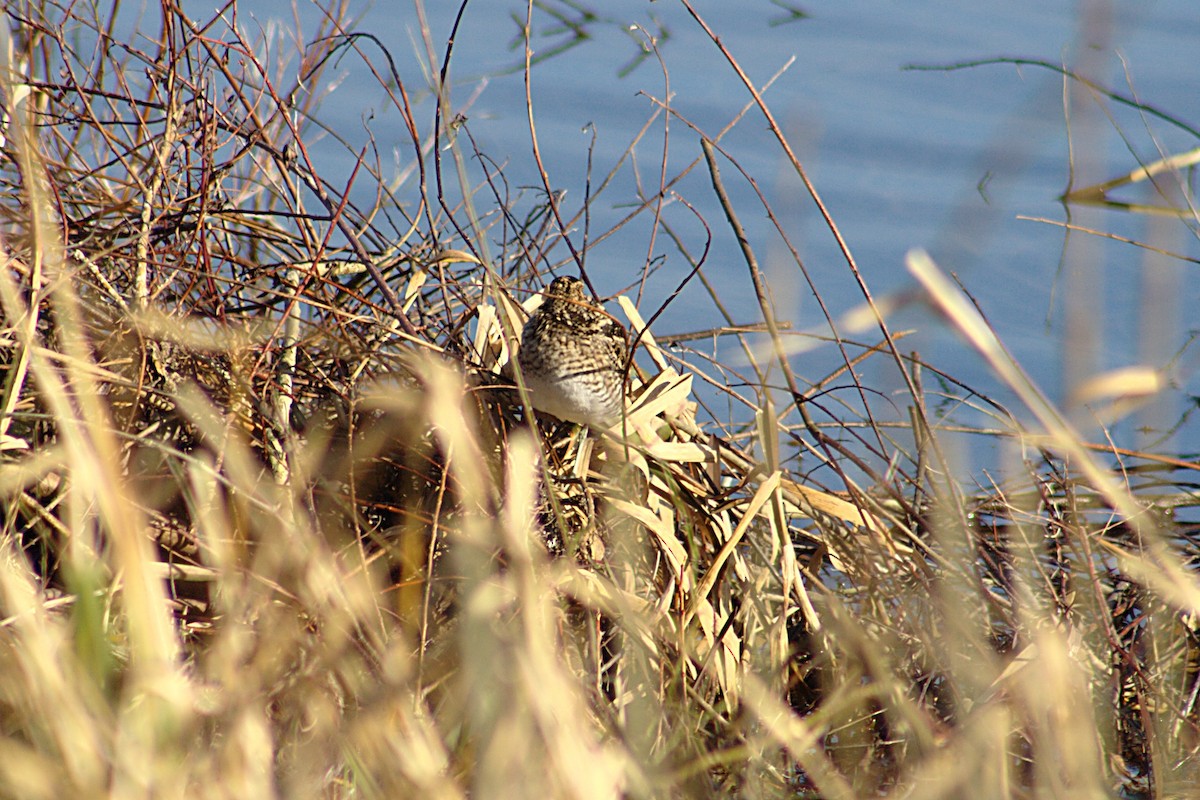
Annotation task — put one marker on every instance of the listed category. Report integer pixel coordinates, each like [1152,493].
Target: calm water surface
[945,160]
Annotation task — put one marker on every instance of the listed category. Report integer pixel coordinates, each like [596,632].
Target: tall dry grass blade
[1156,565]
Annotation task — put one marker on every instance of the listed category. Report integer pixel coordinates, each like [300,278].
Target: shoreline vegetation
[277,522]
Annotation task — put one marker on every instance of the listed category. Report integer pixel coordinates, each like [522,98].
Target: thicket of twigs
[276,523]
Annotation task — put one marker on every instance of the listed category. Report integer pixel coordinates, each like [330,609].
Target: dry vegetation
[277,525]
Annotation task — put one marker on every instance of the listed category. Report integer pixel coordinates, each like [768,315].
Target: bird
[572,357]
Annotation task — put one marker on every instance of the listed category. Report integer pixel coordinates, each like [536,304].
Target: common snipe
[573,356]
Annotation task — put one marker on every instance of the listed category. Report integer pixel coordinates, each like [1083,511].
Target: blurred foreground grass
[277,525]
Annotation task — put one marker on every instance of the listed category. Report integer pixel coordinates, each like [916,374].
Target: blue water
[940,160]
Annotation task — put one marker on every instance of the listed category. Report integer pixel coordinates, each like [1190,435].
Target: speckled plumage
[572,357]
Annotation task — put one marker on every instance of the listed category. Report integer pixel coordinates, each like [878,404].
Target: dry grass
[277,525]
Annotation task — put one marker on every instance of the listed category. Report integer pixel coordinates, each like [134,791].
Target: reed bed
[278,522]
